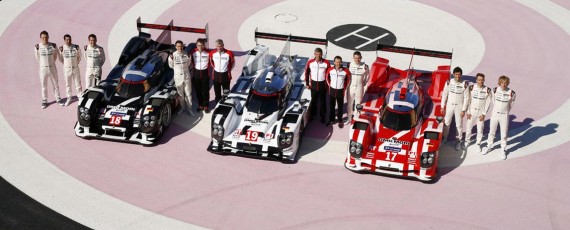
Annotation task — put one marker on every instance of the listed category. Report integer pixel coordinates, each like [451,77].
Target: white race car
[267,110]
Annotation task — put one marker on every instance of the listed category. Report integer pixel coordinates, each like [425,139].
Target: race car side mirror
[303,101]
[359,107]
[226,93]
[439,119]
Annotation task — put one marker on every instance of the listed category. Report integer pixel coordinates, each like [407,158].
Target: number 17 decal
[388,158]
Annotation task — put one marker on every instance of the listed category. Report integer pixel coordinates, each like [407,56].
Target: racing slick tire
[166,116]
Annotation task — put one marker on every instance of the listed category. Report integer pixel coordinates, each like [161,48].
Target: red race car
[398,127]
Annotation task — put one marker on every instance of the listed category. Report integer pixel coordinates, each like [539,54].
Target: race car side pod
[283,37]
[174,28]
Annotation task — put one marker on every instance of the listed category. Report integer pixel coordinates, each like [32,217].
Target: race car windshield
[397,120]
[130,89]
[262,103]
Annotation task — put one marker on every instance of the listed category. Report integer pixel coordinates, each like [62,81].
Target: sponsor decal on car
[120,108]
[393,141]
[392,149]
[118,114]
[254,121]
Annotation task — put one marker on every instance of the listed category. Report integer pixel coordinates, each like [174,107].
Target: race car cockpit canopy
[136,79]
[267,93]
[401,106]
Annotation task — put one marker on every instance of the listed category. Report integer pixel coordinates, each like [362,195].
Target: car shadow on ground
[318,137]
[176,129]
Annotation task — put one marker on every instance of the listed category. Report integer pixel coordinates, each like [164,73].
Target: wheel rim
[166,115]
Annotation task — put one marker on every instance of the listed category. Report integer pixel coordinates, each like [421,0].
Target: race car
[398,129]
[136,101]
[267,110]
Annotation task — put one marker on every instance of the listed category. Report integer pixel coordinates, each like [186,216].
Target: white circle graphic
[414,24]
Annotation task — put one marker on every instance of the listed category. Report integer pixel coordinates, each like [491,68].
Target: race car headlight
[427,159]
[217,132]
[83,116]
[286,139]
[153,118]
[146,123]
[152,123]
[355,149]
[146,118]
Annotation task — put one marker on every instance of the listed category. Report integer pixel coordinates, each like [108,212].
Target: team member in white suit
[503,101]
[70,56]
[476,104]
[95,58]
[359,78]
[179,61]
[46,53]
[452,104]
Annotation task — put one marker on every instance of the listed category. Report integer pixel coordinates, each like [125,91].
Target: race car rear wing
[414,51]
[171,27]
[283,37]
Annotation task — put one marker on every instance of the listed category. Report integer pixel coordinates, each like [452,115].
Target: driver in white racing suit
[503,101]
[46,53]
[452,104]
[70,56]
[476,104]
[95,58]
[179,61]
[360,74]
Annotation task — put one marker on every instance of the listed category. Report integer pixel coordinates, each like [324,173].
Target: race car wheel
[302,131]
[166,115]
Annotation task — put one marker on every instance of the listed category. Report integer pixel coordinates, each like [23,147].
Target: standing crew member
[337,79]
[95,58]
[222,62]
[315,80]
[359,78]
[70,57]
[179,61]
[201,79]
[452,104]
[477,101]
[46,53]
[503,101]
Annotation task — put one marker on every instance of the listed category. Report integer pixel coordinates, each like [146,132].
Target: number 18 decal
[251,135]
[115,120]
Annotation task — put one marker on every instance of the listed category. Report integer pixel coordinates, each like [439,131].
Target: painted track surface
[184,183]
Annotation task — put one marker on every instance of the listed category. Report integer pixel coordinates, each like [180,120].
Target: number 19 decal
[115,120]
[251,135]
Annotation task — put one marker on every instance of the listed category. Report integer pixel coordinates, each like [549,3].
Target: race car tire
[166,115]
[302,131]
